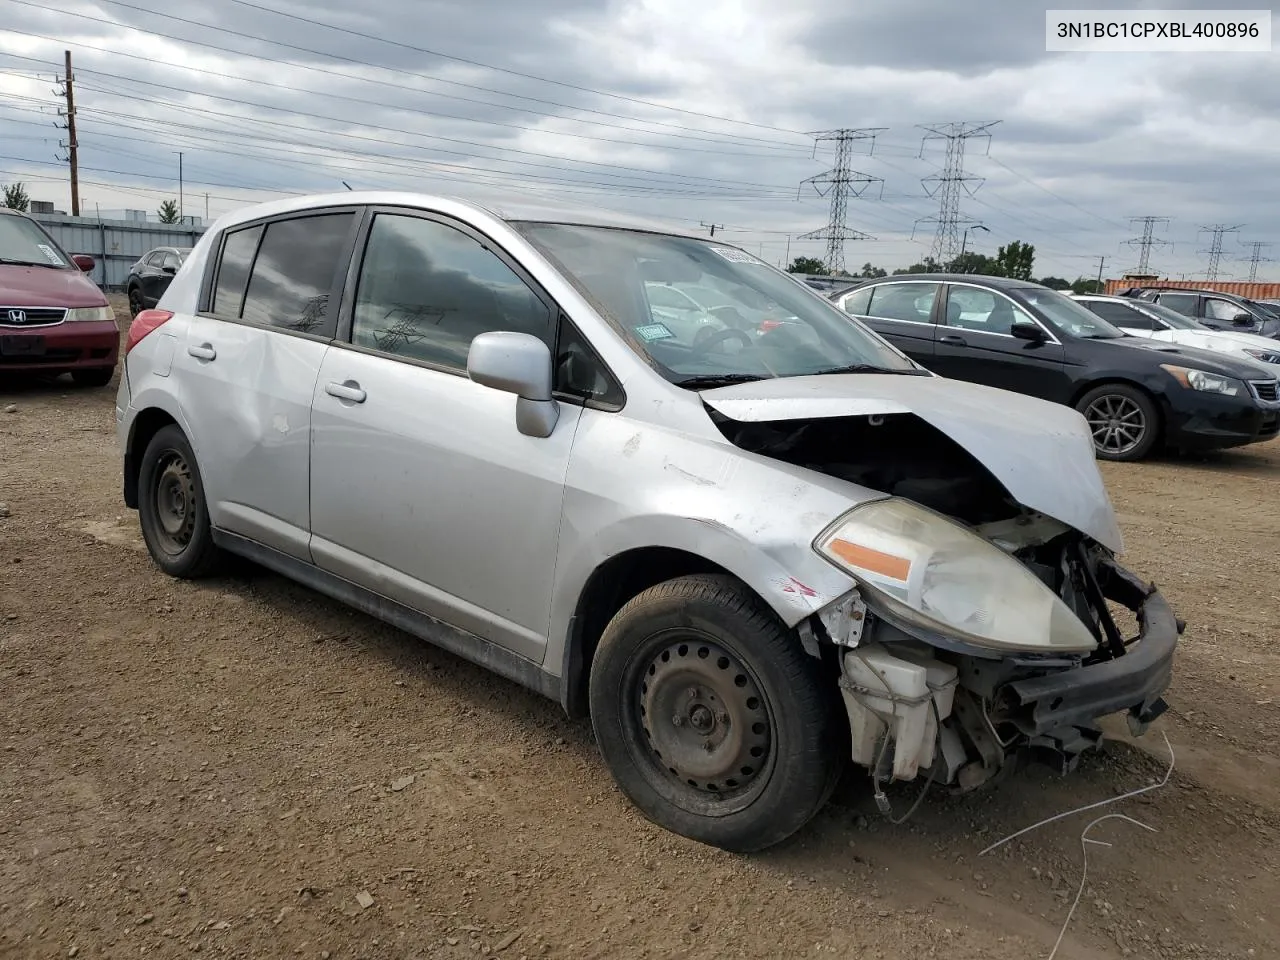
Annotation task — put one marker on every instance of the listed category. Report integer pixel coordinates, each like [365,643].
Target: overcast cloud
[262,105]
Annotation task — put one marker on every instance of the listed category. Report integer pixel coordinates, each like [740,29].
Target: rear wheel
[172,509]
[711,717]
[136,306]
[1124,421]
[93,377]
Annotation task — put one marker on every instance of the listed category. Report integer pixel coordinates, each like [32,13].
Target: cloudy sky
[694,113]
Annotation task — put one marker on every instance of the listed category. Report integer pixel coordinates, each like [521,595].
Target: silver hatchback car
[748,556]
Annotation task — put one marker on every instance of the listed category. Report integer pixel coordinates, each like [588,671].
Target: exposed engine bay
[928,703]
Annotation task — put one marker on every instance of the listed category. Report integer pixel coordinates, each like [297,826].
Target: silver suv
[748,554]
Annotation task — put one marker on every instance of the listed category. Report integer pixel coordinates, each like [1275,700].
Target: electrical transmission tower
[1147,240]
[1255,258]
[948,184]
[841,182]
[1218,231]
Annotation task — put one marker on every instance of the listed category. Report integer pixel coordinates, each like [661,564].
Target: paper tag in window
[653,331]
[735,256]
[51,254]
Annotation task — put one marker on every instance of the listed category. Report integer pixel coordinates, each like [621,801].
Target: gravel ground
[242,768]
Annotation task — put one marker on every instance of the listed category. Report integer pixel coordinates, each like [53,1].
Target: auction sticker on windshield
[653,331]
[51,254]
[735,256]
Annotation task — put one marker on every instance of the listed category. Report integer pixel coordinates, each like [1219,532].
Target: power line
[1147,240]
[383,105]
[951,181]
[842,182]
[362,64]
[1255,258]
[514,73]
[1217,231]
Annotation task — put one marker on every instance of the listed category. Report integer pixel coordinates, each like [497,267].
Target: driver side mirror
[517,363]
[1027,331]
[169,268]
[83,261]
[1242,320]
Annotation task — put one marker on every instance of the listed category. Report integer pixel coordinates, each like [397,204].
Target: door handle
[350,390]
[203,351]
[953,340]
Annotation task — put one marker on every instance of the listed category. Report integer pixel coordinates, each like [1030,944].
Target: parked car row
[1137,394]
[655,478]
[1215,310]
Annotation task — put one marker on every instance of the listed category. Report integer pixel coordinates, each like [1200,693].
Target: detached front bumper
[919,704]
[1135,682]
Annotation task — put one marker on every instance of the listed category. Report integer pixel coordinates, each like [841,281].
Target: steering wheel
[701,345]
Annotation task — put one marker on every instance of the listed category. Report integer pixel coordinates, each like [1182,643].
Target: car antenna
[345,184]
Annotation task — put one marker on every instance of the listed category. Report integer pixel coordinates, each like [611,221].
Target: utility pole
[842,182]
[1218,231]
[712,226]
[206,207]
[73,147]
[1101,261]
[1256,257]
[179,186]
[948,184]
[1147,241]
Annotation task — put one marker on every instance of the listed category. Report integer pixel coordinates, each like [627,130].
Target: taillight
[143,324]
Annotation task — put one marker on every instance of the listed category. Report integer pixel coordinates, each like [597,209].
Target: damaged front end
[924,700]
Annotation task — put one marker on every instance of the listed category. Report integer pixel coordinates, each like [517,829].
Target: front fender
[633,486]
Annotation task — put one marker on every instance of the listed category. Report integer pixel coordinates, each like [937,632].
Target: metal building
[115,244]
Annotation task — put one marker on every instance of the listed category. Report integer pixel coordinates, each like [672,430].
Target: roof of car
[519,210]
[1005,283]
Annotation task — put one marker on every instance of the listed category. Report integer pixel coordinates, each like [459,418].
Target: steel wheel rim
[174,499]
[699,718]
[1117,423]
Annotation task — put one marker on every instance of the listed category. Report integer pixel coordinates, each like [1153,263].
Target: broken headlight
[930,570]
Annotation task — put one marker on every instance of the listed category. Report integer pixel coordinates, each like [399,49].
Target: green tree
[15,197]
[970,262]
[807,265]
[1083,285]
[168,212]
[927,265]
[871,272]
[1055,283]
[1016,260]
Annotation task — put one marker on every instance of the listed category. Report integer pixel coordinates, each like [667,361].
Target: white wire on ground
[1093,806]
[1085,840]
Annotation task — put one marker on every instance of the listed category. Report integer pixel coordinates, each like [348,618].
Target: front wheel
[1124,421]
[712,718]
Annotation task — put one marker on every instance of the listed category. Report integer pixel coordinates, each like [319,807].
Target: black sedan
[150,277]
[1136,394]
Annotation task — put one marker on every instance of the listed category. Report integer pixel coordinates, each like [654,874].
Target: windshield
[23,243]
[1268,310]
[699,312]
[1068,316]
[1172,317]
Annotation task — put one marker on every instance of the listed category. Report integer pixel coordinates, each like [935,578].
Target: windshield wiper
[719,379]
[28,263]
[871,368]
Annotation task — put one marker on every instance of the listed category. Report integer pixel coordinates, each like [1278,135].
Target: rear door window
[910,302]
[233,271]
[295,272]
[1184,303]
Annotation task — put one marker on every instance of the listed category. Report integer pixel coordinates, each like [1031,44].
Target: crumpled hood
[1041,452]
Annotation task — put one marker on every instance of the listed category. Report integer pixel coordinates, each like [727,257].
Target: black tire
[136,304]
[1113,410]
[172,510]
[93,376]
[707,646]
